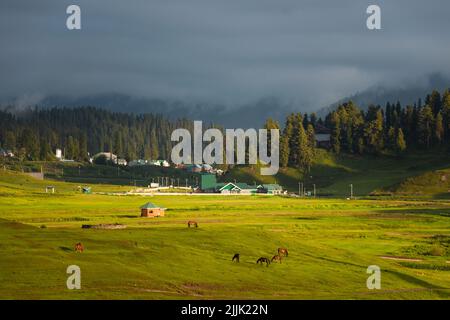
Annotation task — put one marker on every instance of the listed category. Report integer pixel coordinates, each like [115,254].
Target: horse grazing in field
[79,247]
[263,260]
[194,223]
[282,252]
[276,258]
[235,257]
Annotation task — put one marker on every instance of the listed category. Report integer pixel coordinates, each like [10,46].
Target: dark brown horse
[276,258]
[263,260]
[235,257]
[282,252]
[79,247]
[194,223]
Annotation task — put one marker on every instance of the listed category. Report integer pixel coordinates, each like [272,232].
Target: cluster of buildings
[199,168]
[6,153]
[192,168]
[141,162]
[208,176]
[208,183]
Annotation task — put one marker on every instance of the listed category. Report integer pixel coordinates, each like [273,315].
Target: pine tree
[10,141]
[425,126]
[154,145]
[46,151]
[446,114]
[284,151]
[293,141]
[439,128]
[335,133]
[360,145]
[391,139]
[69,154]
[286,137]
[435,102]
[118,147]
[373,131]
[30,142]
[400,141]
[83,153]
[311,137]
[313,119]
[304,151]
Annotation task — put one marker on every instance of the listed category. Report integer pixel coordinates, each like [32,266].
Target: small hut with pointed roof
[151,210]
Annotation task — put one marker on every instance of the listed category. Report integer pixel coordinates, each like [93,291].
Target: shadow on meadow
[441,211]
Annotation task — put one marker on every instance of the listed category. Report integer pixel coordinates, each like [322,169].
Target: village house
[208,183]
[270,188]
[143,162]
[322,137]
[58,154]
[6,153]
[122,162]
[108,155]
[151,210]
[139,162]
[241,188]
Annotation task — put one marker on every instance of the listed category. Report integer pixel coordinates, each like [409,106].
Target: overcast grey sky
[227,51]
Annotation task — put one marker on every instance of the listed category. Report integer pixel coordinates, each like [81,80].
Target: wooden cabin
[150,210]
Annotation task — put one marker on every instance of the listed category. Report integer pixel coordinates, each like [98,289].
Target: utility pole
[314,186]
[351,191]
[301,190]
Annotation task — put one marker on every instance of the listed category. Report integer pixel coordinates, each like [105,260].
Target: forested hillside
[35,134]
[392,130]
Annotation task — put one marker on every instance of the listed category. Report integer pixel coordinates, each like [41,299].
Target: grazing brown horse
[282,252]
[276,258]
[79,247]
[194,223]
[235,257]
[262,260]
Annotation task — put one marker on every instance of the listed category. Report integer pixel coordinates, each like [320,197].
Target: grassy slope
[83,173]
[333,174]
[432,183]
[331,243]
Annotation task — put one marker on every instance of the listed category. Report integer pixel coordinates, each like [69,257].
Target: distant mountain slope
[249,115]
[380,95]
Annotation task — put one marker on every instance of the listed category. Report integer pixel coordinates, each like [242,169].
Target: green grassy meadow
[331,243]
[332,174]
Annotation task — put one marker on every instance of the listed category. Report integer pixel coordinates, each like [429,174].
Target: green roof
[243,185]
[272,186]
[150,205]
[239,185]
